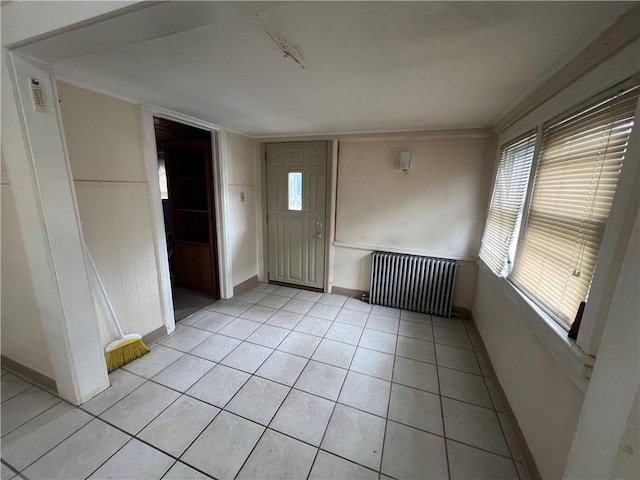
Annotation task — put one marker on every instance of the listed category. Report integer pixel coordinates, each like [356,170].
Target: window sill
[576,364]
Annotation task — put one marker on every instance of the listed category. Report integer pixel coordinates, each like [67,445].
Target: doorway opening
[185,172]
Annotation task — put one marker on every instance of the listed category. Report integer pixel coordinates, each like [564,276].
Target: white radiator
[412,282]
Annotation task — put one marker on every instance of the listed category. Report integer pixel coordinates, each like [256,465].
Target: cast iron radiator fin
[412,282]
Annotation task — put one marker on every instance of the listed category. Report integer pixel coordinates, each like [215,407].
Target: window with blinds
[574,184]
[507,201]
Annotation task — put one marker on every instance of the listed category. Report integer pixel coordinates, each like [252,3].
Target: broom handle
[104,290]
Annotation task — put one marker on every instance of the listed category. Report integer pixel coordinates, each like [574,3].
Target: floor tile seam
[438,366]
[251,452]
[18,393]
[111,456]
[444,427]
[35,416]
[266,428]
[449,328]
[385,316]
[504,433]
[251,375]
[195,346]
[326,428]
[515,465]
[372,376]
[65,438]
[189,352]
[293,387]
[468,402]
[165,473]
[157,415]
[418,322]
[502,428]
[95,417]
[411,358]
[386,422]
[299,356]
[347,323]
[178,458]
[151,445]
[9,466]
[146,442]
[458,370]
[379,472]
[330,304]
[192,355]
[469,349]
[279,343]
[81,406]
[488,381]
[383,331]
[446,437]
[466,444]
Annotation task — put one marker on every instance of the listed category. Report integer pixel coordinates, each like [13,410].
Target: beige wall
[242,215]
[436,209]
[105,142]
[545,396]
[544,400]
[23,338]
[607,437]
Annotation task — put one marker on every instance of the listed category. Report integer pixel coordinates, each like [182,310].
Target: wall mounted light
[404,163]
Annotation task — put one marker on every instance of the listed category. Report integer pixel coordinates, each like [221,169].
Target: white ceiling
[370,66]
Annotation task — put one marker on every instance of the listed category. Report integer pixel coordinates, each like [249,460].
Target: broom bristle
[124,353]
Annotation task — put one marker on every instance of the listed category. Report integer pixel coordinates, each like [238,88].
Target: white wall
[544,400]
[23,338]
[243,225]
[105,143]
[435,210]
[534,364]
[602,433]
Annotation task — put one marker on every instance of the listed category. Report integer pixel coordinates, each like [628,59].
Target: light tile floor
[277,383]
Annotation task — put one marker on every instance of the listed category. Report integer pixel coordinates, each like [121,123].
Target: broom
[128,347]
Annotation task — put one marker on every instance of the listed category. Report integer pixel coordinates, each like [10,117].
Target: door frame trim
[330,205]
[220,174]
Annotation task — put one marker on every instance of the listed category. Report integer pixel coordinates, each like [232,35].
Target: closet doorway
[185,170]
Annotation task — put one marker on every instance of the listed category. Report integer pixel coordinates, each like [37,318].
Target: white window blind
[574,185]
[507,202]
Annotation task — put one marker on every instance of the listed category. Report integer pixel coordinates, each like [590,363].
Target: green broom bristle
[125,353]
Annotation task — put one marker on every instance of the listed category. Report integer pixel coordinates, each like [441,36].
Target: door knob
[319,235]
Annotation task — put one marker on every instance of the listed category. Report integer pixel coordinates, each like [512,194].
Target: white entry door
[296,194]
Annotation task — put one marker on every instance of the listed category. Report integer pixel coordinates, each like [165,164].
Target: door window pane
[295,191]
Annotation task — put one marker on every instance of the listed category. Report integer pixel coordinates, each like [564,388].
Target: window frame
[577,356]
[592,100]
[518,225]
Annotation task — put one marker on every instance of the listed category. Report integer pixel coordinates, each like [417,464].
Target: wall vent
[37,95]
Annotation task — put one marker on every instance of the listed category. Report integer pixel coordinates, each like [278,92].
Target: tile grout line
[324,363]
[335,404]
[322,337]
[444,428]
[36,416]
[276,413]
[61,441]
[386,421]
[308,359]
[468,326]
